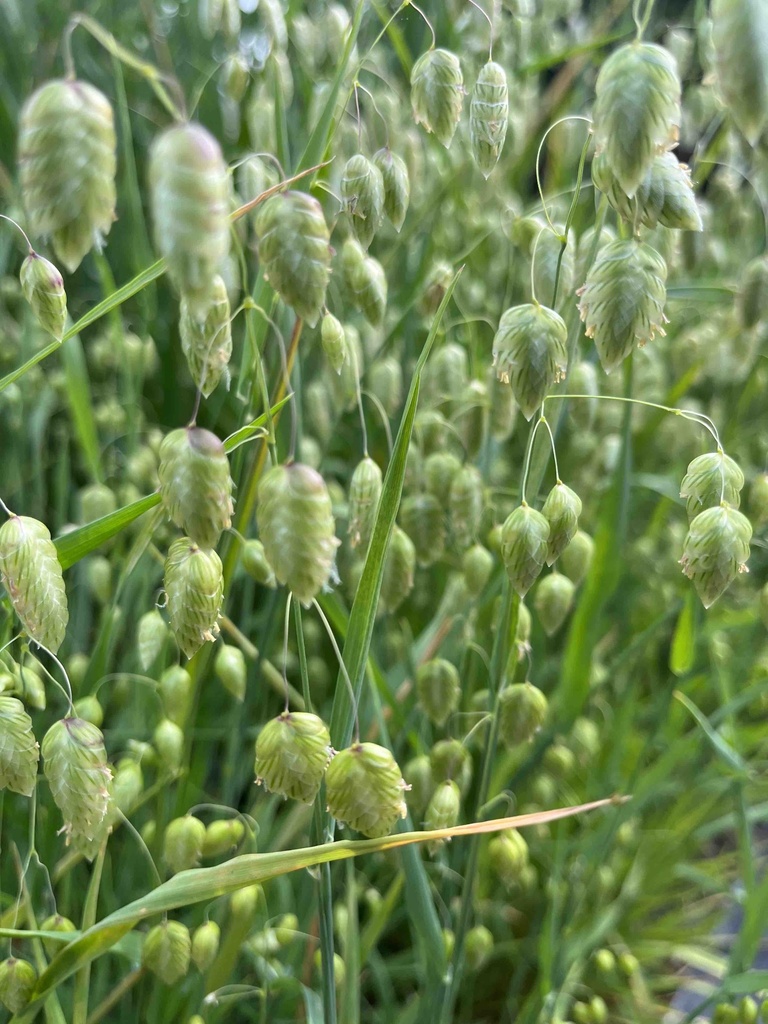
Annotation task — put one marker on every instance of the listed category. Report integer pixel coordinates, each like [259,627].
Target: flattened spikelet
[423,521]
[333,341]
[19,752]
[530,353]
[665,195]
[67,167]
[561,509]
[522,710]
[364,493]
[194,586]
[524,541]
[31,573]
[740,37]
[295,252]
[637,110]
[439,689]
[368,285]
[167,951]
[292,753]
[716,550]
[362,193]
[710,479]
[399,565]
[488,116]
[189,197]
[397,185]
[466,500]
[365,789]
[437,93]
[622,302]
[43,289]
[206,338]
[195,484]
[553,600]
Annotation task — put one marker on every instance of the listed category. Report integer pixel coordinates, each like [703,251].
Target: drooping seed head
[255,563]
[167,951]
[561,509]
[195,484]
[477,566]
[32,575]
[183,842]
[17,982]
[292,754]
[194,585]
[230,669]
[716,550]
[530,353]
[19,752]
[443,809]
[508,856]
[399,566]
[524,546]
[450,759]
[439,689]
[740,37]
[488,116]
[365,789]
[576,559]
[151,637]
[222,837]
[466,501]
[437,93]
[478,946]
[176,693]
[333,341]
[665,195]
[397,185]
[522,711]
[206,337]
[553,600]
[205,945]
[364,493]
[362,194]
[90,709]
[43,288]
[367,284]
[56,923]
[710,479]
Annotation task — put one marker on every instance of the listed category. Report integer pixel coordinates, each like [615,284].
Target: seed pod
[508,856]
[399,564]
[437,93]
[295,251]
[151,637]
[577,557]
[90,710]
[478,946]
[553,601]
[221,837]
[622,302]
[292,754]
[450,759]
[362,196]
[365,789]
[183,843]
[488,116]
[522,710]
[67,167]
[752,298]
[31,573]
[665,195]
[422,519]
[740,37]
[524,546]
[176,693]
[206,337]
[56,923]
[443,809]
[19,752]
[530,353]
[195,483]
[561,509]
[167,950]
[205,945]
[710,479]
[333,341]
[297,528]
[364,493]
[397,186]
[477,566]
[465,503]
[194,586]
[386,383]
[43,289]
[637,110]
[716,550]
[17,982]
[550,255]
[439,690]
[256,565]
[367,283]
[229,666]
[75,764]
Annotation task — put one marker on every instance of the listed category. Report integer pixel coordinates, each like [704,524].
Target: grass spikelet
[561,509]
[194,587]
[43,288]
[292,753]
[488,116]
[740,37]
[553,601]
[364,493]
[362,193]
[195,484]
[333,341]
[524,546]
[710,479]
[365,789]
[399,566]
[665,195]
[437,93]
[716,550]
[439,689]
[397,185]
[31,573]
[167,951]
[422,519]
[530,353]
[19,751]
[206,340]
[522,711]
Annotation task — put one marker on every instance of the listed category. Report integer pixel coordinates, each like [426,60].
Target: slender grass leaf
[683,652]
[81,404]
[723,748]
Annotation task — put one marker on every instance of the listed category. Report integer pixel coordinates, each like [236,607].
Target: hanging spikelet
[362,194]
[622,302]
[439,689]
[206,340]
[75,765]
[67,167]
[255,563]
[43,289]
[553,263]
[530,353]
[423,521]
[397,185]
[297,528]
[466,501]
[19,752]
[366,281]
[488,116]
[386,383]
[194,586]
[442,810]
[292,753]
[524,540]
[522,710]
[665,195]
[189,197]
[637,110]
[399,566]
[477,566]
[740,37]
[183,842]
[553,601]
[167,951]
[364,493]
[205,946]
[17,982]
[577,557]
[561,509]
[195,484]
[151,635]
[710,479]
[295,251]
[437,93]
[716,550]
[333,341]
[231,670]
[365,789]
[31,573]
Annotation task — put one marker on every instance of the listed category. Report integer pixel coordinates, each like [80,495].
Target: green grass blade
[683,652]
[81,404]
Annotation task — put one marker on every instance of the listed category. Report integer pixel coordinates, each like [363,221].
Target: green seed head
[43,288]
[423,521]
[195,484]
[665,195]
[168,739]
[524,546]
[365,789]
[443,809]
[194,585]
[477,566]
[333,341]
[450,759]
[553,601]
[183,843]
[508,856]
[292,753]
[31,573]
[478,946]
[205,945]
[397,185]
[740,38]
[399,566]
[127,785]
[577,557]
[166,951]
[530,353]
[151,637]
[206,337]
[367,284]
[364,493]
[19,752]
[488,116]
[17,982]
[437,93]
[439,689]
[561,509]
[466,501]
[362,194]
[176,693]
[229,666]
[56,923]
[255,563]
[522,710]
[90,710]
[716,550]
[710,479]
[222,837]
[418,775]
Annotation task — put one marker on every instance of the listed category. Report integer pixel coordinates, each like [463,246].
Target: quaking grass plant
[273,515]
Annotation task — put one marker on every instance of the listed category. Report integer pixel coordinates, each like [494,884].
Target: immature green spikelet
[553,601]
[151,637]
[466,500]
[577,557]
[522,710]
[167,951]
[17,982]
[222,837]
[56,923]
[255,563]
[333,341]
[292,754]
[488,116]
[665,195]
[752,298]
[367,284]
[710,479]
[450,759]
[31,573]
[399,566]
[561,509]
[365,789]
[437,93]
[189,198]
[194,585]
[168,740]
[740,37]
[205,945]
[477,566]
[478,947]
[524,546]
[554,263]
[443,809]
[637,110]
[19,752]
[297,528]
[206,337]
[530,353]
[423,521]
[364,493]
[362,195]
[183,842]
[75,765]
[67,163]
[622,302]
[195,484]
[295,251]
[43,288]
[716,550]
[229,666]
[439,689]
[397,185]
[175,689]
